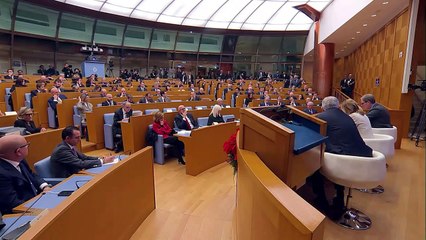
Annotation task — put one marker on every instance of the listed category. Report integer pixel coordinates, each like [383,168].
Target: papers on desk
[185,133]
[116,160]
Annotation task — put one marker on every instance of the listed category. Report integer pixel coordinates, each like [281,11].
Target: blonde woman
[215,117]
[350,107]
[25,120]
[83,106]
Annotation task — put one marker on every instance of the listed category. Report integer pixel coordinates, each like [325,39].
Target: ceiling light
[364,25]
[384,3]
[358,32]
[342,50]
[353,38]
[373,15]
[348,42]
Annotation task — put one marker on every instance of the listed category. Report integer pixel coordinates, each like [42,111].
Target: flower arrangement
[230,148]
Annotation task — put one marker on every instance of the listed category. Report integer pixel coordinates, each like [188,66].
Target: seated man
[17,182]
[66,160]
[185,120]
[266,102]
[378,115]
[124,113]
[194,97]
[310,108]
[55,100]
[109,101]
[339,127]
[147,98]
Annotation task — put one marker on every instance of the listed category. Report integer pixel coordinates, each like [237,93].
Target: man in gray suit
[378,115]
[66,160]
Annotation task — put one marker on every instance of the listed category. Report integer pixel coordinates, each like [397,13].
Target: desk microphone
[80,181]
[17,232]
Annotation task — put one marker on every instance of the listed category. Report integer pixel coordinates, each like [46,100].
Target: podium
[93,67]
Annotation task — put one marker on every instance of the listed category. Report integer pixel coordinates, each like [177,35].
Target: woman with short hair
[351,107]
[25,120]
[161,127]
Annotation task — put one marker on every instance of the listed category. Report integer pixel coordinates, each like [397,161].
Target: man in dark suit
[66,160]
[109,101]
[194,97]
[339,127]
[184,120]
[266,102]
[122,114]
[310,108]
[55,100]
[17,182]
[379,116]
[147,98]
[163,97]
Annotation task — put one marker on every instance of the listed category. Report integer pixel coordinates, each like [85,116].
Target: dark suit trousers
[173,140]
[319,190]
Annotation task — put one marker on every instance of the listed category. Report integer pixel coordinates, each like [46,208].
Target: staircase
[87,146]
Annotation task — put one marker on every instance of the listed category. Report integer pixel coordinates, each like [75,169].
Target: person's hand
[161,122]
[108,159]
[43,129]
[55,97]
[79,99]
[46,189]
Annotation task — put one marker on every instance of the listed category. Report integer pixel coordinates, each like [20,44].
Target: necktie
[188,126]
[26,174]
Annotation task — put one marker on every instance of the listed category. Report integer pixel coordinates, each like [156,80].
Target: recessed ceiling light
[384,3]
[353,38]
[348,42]
[358,32]
[373,15]
[364,25]
[342,50]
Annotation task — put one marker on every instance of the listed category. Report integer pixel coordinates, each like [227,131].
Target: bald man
[109,101]
[17,182]
[184,120]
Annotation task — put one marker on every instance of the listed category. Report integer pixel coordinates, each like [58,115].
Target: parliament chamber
[267,64]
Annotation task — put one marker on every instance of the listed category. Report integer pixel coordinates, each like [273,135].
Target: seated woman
[215,117]
[83,106]
[25,120]
[160,126]
[350,107]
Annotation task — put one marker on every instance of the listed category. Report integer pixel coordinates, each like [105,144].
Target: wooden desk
[6,121]
[269,209]
[204,148]
[274,145]
[110,206]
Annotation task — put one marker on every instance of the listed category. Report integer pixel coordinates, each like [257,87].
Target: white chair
[354,172]
[387,131]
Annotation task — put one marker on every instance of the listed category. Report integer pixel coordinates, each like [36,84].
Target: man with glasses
[185,120]
[17,182]
[124,113]
[66,160]
[379,116]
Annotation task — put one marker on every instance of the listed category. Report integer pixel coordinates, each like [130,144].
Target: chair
[6,99]
[387,131]
[188,108]
[27,97]
[76,117]
[51,117]
[160,149]
[151,111]
[354,172]
[108,137]
[202,121]
[169,110]
[382,143]
[228,116]
[200,107]
[44,169]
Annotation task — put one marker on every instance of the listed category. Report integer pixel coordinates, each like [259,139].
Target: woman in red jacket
[161,127]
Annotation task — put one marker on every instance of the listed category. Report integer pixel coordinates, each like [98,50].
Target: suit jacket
[343,135]
[107,103]
[181,124]
[15,188]
[64,162]
[379,116]
[306,110]
[163,99]
[53,104]
[29,126]
[118,116]
[144,100]
[196,98]
[263,104]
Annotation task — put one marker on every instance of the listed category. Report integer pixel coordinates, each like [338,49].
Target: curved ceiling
[260,15]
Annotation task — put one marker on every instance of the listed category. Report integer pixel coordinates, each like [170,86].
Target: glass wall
[142,47]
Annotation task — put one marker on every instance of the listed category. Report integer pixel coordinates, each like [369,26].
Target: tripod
[110,72]
[419,127]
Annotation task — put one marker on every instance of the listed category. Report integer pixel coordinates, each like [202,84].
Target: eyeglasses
[23,146]
[28,114]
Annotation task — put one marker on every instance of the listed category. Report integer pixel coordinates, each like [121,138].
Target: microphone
[80,181]
[17,232]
